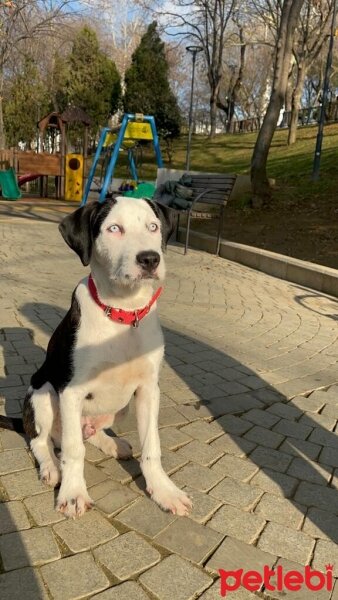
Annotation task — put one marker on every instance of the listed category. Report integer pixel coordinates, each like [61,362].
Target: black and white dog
[108,348]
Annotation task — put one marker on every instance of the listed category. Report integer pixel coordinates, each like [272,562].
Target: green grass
[290,166]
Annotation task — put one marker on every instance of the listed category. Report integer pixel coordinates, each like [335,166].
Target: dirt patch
[305,230]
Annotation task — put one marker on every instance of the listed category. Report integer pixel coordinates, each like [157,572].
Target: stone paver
[189,539]
[303,593]
[31,547]
[322,524]
[213,593]
[200,453]
[234,522]
[236,493]
[127,556]
[287,543]
[175,578]
[197,476]
[276,483]
[244,430]
[74,577]
[23,484]
[234,554]
[85,533]
[145,517]
[311,494]
[13,583]
[110,496]
[14,460]
[235,467]
[13,517]
[326,552]
[279,510]
[310,471]
[269,458]
[203,505]
[42,509]
[129,590]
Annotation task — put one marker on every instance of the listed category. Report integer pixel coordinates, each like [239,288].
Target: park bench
[209,190]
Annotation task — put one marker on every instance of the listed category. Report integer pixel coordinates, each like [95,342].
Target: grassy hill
[291,166]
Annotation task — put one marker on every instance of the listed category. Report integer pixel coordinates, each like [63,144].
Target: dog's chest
[112,360]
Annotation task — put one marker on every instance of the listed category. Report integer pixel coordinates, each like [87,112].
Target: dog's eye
[115,229]
[153,227]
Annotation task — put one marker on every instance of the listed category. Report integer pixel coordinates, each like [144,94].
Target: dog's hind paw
[74,505]
[172,499]
[50,474]
[116,447]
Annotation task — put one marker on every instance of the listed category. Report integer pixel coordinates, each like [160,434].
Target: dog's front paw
[74,503]
[171,498]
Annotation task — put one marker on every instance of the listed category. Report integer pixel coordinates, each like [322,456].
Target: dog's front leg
[159,486]
[73,498]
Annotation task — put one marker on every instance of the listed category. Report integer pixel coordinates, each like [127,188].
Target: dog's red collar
[127,317]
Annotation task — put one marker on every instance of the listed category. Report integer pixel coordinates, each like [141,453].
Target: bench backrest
[219,185]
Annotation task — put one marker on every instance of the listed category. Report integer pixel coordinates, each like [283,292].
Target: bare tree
[22,21]
[261,193]
[205,23]
[120,26]
[310,36]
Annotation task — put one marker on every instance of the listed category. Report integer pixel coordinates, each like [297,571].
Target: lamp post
[318,150]
[194,51]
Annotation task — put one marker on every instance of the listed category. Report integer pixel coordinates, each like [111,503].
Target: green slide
[9,186]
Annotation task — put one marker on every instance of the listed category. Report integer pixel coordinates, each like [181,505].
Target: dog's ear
[77,230]
[166,216]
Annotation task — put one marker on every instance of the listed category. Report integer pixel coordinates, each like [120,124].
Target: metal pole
[187,166]
[320,134]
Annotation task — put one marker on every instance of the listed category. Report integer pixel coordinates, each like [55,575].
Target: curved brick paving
[241,426]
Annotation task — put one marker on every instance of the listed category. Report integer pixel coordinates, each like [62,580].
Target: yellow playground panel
[74,177]
[138,131]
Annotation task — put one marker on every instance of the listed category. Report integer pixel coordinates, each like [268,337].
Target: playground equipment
[52,156]
[74,177]
[133,127]
[9,186]
[58,126]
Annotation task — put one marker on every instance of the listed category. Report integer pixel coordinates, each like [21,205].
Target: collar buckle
[136,321]
[107,311]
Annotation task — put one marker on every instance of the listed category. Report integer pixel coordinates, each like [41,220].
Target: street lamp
[194,51]
[318,150]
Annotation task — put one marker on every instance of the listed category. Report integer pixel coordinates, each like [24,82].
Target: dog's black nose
[149,259]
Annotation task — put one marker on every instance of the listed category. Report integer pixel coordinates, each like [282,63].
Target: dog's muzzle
[148,260]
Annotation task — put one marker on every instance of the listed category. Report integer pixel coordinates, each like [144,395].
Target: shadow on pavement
[291,442]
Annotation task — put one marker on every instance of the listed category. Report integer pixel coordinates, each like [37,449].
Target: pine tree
[94,82]
[27,101]
[147,87]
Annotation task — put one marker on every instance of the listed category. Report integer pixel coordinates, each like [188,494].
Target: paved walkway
[241,426]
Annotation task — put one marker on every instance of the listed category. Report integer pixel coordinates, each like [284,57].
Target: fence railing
[306,116]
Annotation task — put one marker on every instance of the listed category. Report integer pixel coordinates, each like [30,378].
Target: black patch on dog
[11,423]
[81,228]
[28,419]
[58,366]
[89,396]
[165,214]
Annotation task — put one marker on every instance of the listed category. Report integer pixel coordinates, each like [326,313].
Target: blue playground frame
[113,159]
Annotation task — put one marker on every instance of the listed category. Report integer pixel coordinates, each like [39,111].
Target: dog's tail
[14,424]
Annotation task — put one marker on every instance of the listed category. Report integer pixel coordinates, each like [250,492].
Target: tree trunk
[2,126]
[295,101]
[261,193]
[213,113]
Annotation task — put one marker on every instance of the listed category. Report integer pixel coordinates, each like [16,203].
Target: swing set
[133,127]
